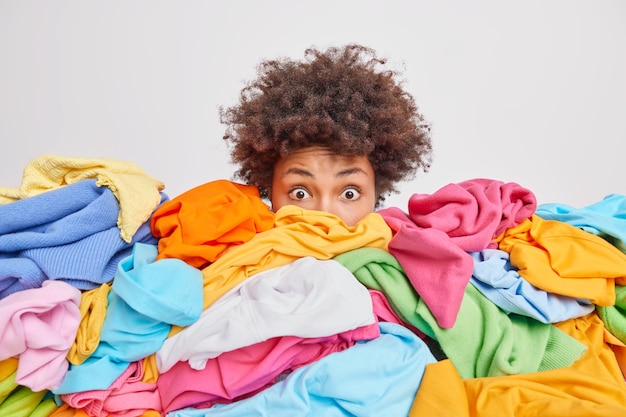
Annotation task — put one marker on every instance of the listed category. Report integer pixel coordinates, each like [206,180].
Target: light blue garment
[499,281]
[379,377]
[68,233]
[146,298]
[606,218]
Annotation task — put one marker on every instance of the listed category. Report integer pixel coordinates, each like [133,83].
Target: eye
[351,194]
[299,194]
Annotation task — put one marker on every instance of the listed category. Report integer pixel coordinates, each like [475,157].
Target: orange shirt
[198,225]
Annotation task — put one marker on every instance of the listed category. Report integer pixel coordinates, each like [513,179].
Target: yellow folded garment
[66,411]
[150,370]
[138,193]
[93,306]
[563,259]
[7,367]
[593,386]
[297,233]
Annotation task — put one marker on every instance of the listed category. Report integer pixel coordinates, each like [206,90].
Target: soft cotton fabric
[305,298]
[199,224]
[614,317]
[484,341]
[592,386]
[563,259]
[242,372]
[605,218]
[473,212]
[138,193]
[93,308]
[128,396]
[374,378]
[38,326]
[432,239]
[432,263]
[146,298]
[75,239]
[499,281]
[297,232]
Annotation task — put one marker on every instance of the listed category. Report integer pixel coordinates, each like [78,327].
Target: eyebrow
[305,173]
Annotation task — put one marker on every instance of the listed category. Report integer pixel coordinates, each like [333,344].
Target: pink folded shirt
[39,326]
[128,396]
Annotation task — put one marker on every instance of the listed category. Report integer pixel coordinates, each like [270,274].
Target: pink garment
[431,241]
[438,269]
[242,372]
[39,325]
[473,212]
[128,396]
[384,312]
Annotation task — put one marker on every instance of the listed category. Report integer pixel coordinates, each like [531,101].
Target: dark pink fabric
[433,239]
[437,268]
[245,371]
[473,212]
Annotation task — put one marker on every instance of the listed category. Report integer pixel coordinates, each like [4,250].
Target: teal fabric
[146,298]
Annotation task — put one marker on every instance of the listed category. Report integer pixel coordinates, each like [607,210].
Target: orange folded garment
[198,225]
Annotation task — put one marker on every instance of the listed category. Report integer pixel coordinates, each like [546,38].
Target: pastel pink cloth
[242,372]
[431,241]
[128,396]
[39,326]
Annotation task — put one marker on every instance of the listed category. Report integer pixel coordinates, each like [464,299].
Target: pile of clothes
[117,300]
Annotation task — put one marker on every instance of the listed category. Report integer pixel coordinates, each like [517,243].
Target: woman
[333,132]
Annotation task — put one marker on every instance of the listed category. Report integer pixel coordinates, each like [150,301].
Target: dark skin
[316,178]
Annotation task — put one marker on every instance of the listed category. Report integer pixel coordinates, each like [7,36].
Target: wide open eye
[351,194]
[299,194]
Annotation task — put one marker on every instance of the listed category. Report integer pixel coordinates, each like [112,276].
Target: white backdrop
[530,91]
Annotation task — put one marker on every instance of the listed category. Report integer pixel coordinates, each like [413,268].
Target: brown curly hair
[341,98]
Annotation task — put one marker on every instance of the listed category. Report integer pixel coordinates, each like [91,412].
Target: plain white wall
[531,91]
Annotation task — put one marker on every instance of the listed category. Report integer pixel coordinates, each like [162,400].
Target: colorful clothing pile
[116,300]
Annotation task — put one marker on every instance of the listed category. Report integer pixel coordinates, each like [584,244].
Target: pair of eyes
[348,193]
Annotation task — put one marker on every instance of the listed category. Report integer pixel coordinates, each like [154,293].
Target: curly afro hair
[341,98]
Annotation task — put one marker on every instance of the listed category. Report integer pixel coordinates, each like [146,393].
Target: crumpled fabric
[138,193]
[431,241]
[38,326]
[198,225]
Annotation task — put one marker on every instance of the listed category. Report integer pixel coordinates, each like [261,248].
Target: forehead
[322,158]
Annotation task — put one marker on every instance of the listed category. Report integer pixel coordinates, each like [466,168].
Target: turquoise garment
[606,218]
[379,377]
[146,298]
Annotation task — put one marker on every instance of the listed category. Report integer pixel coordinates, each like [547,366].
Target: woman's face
[315,178]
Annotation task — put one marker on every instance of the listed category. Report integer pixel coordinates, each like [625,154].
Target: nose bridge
[325,202]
